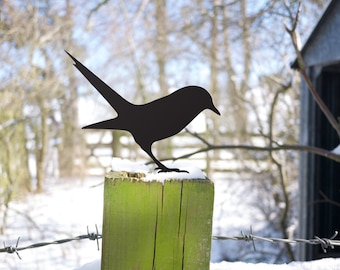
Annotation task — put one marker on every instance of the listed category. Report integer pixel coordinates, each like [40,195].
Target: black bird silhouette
[152,121]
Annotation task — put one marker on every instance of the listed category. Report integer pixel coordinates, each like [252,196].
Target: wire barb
[325,243]
[94,236]
[15,249]
[11,249]
[249,237]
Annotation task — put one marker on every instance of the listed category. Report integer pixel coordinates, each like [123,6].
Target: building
[320,177]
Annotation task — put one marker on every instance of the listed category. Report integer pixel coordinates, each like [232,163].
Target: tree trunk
[164,148]
[72,143]
[42,139]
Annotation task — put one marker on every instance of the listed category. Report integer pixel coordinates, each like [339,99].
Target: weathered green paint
[148,225]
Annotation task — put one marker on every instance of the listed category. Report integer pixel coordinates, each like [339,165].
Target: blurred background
[145,49]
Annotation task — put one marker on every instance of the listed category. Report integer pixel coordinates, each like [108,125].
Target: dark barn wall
[321,54]
[327,173]
[319,176]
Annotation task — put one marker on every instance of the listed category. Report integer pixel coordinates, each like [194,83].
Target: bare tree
[164,148]
[71,143]
[36,34]
[238,50]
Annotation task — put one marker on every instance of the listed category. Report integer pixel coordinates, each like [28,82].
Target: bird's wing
[117,102]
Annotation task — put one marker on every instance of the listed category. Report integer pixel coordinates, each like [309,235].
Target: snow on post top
[124,165]
[336,150]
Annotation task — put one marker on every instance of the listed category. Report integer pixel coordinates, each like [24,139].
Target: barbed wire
[325,243]
[15,249]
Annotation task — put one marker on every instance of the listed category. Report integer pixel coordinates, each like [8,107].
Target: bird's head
[205,99]
[213,108]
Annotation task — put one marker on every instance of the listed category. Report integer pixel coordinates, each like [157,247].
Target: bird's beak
[214,109]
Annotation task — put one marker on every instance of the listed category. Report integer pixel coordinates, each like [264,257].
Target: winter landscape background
[64,210]
[51,171]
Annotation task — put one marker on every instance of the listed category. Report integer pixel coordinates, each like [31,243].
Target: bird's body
[153,121]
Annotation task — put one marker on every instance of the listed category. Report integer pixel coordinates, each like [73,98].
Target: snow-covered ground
[324,264]
[66,208]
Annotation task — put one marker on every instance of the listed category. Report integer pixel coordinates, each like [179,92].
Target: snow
[95,265]
[193,173]
[63,210]
[323,264]
[125,165]
[67,207]
[336,150]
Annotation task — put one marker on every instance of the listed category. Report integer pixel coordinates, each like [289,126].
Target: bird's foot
[166,169]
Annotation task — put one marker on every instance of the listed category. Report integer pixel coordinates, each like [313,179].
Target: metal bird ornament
[152,121]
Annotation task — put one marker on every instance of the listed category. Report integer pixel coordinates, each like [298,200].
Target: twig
[281,172]
[296,147]
[326,199]
[302,69]
[196,135]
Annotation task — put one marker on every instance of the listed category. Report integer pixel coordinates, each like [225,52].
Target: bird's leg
[161,167]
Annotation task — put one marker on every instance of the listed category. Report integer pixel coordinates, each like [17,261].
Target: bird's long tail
[117,102]
[114,123]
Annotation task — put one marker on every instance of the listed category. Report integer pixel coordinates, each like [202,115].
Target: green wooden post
[151,225]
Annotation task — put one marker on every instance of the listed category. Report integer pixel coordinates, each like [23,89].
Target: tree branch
[194,134]
[295,147]
[327,199]
[302,69]
[282,176]
[96,8]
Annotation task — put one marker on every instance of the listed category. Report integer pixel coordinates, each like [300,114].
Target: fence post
[154,225]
